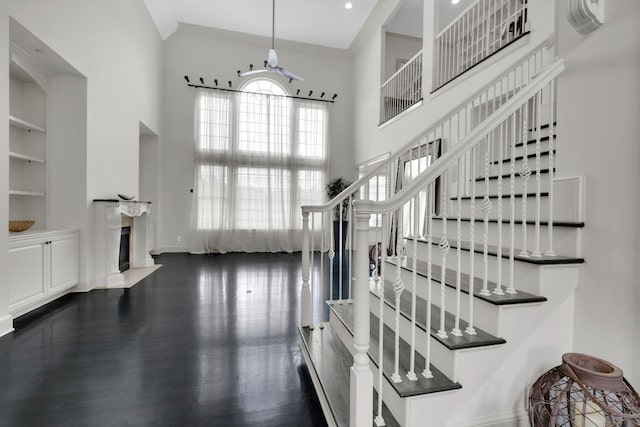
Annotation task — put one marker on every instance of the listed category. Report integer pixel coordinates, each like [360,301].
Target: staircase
[445,309]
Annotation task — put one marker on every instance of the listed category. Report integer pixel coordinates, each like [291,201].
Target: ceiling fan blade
[288,74]
[253,73]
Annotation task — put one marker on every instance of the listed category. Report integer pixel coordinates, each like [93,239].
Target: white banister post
[361,385]
[306,317]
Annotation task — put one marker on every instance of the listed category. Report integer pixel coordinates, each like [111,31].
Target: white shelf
[26,193]
[24,125]
[14,155]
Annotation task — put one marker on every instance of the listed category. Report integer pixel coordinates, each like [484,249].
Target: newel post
[361,386]
[306,315]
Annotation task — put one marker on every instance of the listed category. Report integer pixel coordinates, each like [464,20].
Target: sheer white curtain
[259,157]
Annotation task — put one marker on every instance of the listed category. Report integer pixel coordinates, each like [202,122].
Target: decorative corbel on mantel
[585,15]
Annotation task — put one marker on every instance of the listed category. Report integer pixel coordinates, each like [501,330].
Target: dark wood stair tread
[533,141]
[493,251]
[452,342]
[332,362]
[568,224]
[450,280]
[508,175]
[406,388]
[505,196]
[521,157]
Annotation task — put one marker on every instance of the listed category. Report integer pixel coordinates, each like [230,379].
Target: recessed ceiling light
[348,6]
[455,1]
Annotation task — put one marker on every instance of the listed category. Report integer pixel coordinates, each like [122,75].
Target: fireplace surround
[108,218]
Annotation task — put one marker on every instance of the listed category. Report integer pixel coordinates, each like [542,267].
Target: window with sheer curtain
[260,156]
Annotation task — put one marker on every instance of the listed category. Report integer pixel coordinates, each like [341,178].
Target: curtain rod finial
[187,79]
[201,80]
[335,95]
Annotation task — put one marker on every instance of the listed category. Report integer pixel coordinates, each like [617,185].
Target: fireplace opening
[125,244]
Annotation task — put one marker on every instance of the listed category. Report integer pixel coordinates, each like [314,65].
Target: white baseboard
[81,287]
[171,249]
[6,325]
[519,418]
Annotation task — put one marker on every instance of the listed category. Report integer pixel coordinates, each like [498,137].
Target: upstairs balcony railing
[481,30]
[402,90]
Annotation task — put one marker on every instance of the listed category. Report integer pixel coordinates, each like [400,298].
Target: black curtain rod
[330,101]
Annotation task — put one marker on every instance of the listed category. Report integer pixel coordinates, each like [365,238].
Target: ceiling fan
[271,65]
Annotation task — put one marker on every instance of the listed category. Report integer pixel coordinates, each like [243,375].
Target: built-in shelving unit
[27,143]
[20,156]
[24,125]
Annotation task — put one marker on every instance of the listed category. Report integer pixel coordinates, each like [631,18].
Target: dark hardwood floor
[207,340]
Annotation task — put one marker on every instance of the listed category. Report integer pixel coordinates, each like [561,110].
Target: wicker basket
[17,226]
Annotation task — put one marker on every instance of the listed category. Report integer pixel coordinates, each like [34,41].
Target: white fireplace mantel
[107,229]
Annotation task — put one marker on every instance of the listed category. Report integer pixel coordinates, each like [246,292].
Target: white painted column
[361,393]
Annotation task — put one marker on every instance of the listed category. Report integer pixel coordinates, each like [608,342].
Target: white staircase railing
[402,90]
[328,249]
[459,179]
[482,29]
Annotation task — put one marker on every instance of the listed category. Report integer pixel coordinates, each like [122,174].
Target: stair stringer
[491,371]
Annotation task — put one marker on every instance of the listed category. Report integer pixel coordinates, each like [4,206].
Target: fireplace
[112,218]
[125,244]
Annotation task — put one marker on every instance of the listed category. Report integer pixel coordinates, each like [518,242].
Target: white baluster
[512,224]
[525,174]
[350,240]
[456,329]
[551,133]
[472,243]
[398,288]
[411,375]
[486,210]
[379,421]
[323,243]
[306,309]
[431,196]
[498,289]
[538,104]
[331,254]
[444,247]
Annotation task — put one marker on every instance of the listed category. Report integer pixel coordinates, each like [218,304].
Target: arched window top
[264,86]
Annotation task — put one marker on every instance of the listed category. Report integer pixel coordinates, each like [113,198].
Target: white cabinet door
[26,275]
[64,263]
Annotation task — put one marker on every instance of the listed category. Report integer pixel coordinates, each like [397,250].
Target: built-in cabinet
[47,154]
[43,265]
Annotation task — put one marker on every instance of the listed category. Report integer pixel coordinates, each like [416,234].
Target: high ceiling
[320,22]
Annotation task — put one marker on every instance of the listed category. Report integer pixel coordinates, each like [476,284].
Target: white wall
[371,141]
[6,323]
[208,53]
[598,128]
[398,46]
[116,47]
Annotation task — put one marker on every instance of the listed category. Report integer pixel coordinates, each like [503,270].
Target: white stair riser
[441,356]
[495,169]
[487,316]
[532,206]
[565,239]
[481,187]
[525,274]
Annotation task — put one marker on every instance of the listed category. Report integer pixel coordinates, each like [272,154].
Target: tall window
[260,156]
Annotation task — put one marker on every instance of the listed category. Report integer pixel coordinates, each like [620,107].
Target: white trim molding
[108,223]
[585,15]
[6,325]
